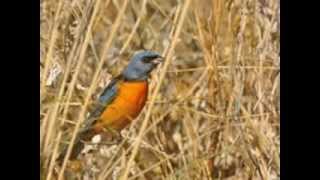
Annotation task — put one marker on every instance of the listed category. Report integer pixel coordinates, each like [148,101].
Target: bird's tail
[76,150]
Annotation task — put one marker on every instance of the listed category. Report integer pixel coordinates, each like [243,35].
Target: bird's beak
[157,60]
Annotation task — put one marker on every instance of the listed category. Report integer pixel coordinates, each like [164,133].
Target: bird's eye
[147,59]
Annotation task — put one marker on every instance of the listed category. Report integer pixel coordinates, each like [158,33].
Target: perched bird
[120,102]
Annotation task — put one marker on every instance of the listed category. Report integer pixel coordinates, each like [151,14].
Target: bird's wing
[106,97]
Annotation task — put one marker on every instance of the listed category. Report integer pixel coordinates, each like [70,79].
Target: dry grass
[213,110]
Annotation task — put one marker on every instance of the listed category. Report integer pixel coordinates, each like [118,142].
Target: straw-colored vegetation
[213,107]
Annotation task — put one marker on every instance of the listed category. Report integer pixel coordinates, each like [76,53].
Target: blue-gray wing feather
[106,97]
[109,93]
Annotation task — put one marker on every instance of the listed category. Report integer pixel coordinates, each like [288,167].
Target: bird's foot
[110,136]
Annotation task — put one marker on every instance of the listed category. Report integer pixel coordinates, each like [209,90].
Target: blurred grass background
[214,106]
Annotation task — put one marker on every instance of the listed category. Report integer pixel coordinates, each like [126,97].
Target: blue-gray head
[140,65]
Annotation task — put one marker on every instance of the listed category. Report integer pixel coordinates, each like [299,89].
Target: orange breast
[127,105]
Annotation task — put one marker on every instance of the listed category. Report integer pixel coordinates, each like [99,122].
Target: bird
[120,102]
